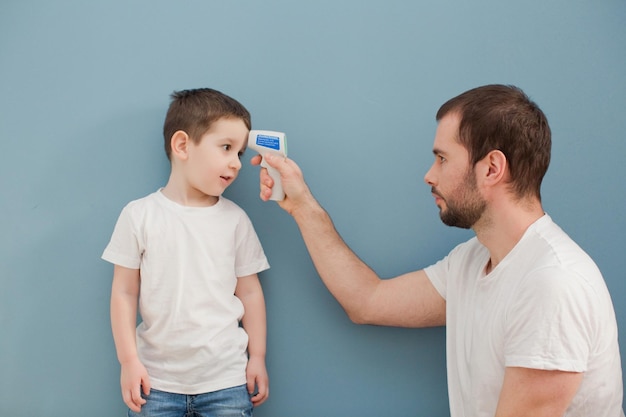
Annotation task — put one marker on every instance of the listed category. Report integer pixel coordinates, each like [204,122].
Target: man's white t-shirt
[189,259]
[544,306]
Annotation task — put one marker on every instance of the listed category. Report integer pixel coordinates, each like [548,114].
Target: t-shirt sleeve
[457,268]
[124,247]
[550,322]
[437,274]
[250,257]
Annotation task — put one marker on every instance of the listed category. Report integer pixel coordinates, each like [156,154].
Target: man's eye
[441,159]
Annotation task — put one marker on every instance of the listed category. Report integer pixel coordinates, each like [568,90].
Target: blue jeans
[229,402]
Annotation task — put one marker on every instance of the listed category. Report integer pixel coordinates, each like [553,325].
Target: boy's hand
[134,378]
[256,374]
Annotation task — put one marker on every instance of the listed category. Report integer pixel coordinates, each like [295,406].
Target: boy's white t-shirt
[189,258]
[545,306]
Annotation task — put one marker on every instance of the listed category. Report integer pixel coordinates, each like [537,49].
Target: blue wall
[355,84]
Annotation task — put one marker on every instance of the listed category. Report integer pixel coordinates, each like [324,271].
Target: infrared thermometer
[264,142]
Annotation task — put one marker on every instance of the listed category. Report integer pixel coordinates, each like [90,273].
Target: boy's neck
[185,195]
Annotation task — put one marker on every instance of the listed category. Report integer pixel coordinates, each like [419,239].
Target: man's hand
[134,378]
[256,375]
[297,193]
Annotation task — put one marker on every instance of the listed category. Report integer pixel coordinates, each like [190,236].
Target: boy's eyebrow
[233,140]
[245,144]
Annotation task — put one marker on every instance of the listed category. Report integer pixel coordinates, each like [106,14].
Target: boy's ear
[180,144]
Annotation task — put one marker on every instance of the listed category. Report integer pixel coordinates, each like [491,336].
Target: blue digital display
[270,142]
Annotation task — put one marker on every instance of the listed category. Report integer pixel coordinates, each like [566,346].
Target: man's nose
[429,177]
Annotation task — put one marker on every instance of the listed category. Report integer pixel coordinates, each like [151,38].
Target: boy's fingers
[259,398]
[250,383]
[128,400]
[136,397]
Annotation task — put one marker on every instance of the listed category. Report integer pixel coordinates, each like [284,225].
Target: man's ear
[494,167]
[180,144]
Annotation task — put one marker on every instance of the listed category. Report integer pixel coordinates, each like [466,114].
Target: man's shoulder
[551,240]
[471,246]
[468,254]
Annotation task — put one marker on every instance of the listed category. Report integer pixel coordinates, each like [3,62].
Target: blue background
[355,85]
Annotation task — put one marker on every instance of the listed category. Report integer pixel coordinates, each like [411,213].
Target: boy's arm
[124,298]
[249,291]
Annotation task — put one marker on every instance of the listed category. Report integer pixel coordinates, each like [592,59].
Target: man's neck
[502,227]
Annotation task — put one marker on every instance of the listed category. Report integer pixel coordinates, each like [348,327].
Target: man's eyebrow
[437,151]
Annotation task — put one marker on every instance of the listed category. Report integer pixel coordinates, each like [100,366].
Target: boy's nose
[236,163]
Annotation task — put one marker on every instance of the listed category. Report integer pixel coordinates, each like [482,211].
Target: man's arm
[409,300]
[536,392]
[250,293]
[124,298]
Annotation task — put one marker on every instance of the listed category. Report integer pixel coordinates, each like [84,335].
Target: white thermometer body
[264,142]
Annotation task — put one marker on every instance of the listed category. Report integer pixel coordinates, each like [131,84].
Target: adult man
[531,329]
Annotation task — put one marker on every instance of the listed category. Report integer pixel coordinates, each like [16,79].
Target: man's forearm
[348,278]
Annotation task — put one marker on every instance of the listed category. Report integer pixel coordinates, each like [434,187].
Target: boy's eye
[226,147]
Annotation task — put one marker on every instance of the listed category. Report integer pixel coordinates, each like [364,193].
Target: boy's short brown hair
[194,111]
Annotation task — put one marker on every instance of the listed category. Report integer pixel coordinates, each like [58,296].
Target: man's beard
[465,206]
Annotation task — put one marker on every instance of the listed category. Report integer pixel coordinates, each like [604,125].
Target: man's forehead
[447,134]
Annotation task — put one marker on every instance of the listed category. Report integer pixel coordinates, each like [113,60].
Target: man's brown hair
[502,117]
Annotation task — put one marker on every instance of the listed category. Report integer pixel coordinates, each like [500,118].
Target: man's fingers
[274,161]
[265,185]
[266,178]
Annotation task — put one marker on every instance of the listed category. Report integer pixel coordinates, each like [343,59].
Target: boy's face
[214,163]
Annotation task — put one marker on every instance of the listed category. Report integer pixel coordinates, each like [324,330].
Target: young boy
[189,258]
